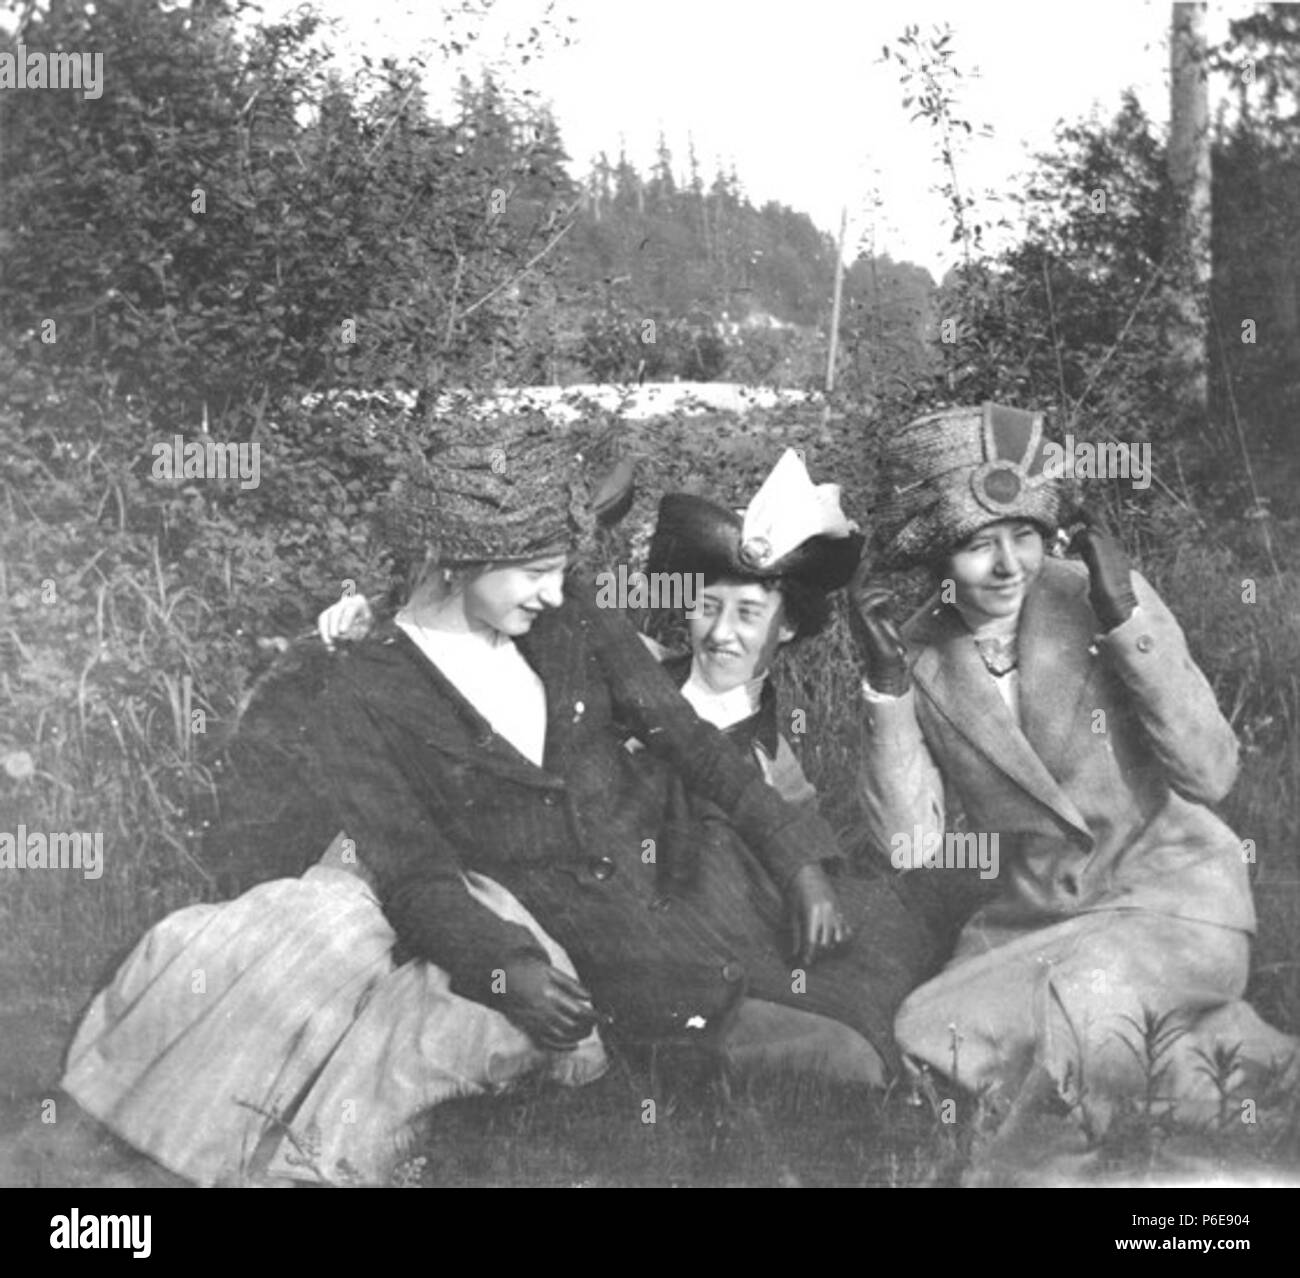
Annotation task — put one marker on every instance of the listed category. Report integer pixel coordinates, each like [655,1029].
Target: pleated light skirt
[273,1037]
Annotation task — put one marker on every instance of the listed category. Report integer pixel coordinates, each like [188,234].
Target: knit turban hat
[947,474]
[506,487]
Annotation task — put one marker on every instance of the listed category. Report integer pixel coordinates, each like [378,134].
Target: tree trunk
[1188,261]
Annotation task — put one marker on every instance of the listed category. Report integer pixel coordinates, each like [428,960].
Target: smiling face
[994,568]
[509,598]
[736,630]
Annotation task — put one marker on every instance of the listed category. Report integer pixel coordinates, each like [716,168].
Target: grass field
[97,693]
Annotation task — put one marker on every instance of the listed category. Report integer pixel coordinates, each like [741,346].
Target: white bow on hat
[787,510]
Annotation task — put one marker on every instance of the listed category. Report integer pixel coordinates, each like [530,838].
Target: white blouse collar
[722,709]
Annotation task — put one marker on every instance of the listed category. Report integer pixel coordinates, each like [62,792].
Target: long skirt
[1107,1003]
[273,1037]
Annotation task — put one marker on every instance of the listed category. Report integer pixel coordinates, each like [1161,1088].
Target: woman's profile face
[509,598]
[735,631]
[994,568]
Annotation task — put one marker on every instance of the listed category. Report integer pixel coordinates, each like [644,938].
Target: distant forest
[241,223]
[735,291]
[245,223]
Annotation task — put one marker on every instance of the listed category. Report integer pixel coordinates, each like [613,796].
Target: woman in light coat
[1049,707]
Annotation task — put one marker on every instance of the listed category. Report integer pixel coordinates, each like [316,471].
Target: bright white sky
[793,94]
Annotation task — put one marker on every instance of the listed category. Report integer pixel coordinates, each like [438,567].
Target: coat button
[733,972]
[1145,643]
[602,868]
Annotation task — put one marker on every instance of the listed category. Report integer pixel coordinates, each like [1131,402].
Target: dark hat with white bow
[792,530]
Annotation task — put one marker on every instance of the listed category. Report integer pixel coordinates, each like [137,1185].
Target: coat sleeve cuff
[784,838]
[891,722]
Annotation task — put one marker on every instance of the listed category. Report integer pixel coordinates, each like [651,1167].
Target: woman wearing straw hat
[1052,704]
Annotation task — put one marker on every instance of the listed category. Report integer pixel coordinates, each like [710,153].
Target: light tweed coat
[1098,796]
[1119,892]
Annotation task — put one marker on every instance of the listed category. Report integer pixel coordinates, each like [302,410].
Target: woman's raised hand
[1111,577]
[349,620]
[879,644]
[549,1006]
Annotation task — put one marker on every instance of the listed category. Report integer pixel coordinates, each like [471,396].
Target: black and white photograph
[691,595]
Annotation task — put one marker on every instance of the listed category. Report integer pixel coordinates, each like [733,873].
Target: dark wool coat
[647,845]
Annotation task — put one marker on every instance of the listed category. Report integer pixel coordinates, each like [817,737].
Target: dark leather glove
[1111,589]
[880,646]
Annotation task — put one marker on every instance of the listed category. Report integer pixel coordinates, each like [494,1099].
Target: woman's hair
[412,569]
[807,609]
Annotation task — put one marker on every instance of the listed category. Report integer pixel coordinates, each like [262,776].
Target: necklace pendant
[1000,656]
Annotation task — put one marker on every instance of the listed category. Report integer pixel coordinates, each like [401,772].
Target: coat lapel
[949,671]
[1057,668]
[558,655]
[448,721]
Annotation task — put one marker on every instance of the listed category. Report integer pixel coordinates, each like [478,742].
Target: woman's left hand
[816,920]
[879,644]
[1111,578]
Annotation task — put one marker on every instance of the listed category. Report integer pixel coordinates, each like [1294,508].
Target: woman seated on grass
[1055,704]
[502,726]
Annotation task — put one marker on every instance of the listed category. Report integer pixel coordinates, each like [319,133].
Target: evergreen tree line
[234,225]
[233,222]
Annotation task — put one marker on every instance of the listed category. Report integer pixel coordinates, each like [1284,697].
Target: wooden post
[1189,173]
[833,347]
